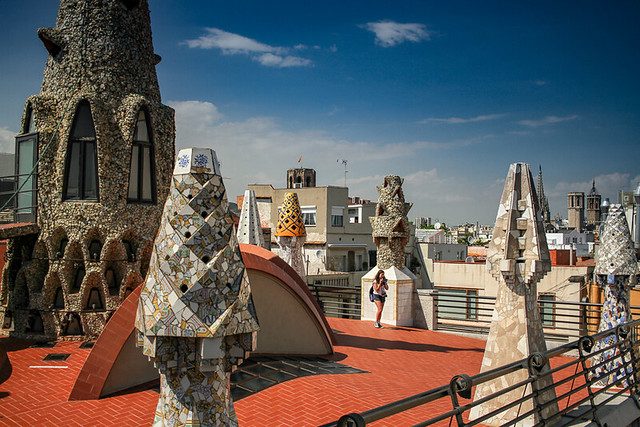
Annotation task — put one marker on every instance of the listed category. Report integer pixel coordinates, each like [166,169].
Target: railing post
[585,346]
[535,363]
[351,420]
[460,385]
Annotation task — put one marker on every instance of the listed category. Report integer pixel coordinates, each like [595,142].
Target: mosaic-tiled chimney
[196,318]
[249,228]
[290,232]
[517,257]
[105,148]
[391,225]
[616,270]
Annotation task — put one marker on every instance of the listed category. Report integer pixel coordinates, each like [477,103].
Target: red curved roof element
[96,369]
[258,258]
[104,353]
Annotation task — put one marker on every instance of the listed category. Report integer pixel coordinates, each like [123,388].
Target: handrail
[590,348]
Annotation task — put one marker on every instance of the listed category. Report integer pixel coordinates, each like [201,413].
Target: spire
[517,257]
[593,191]
[195,316]
[616,254]
[290,222]
[543,203]
[113,35]
[249,228]
[517,216]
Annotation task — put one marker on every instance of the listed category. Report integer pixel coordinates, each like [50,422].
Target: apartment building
[338,228]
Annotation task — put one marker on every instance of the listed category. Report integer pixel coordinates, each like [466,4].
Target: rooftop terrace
[398,362]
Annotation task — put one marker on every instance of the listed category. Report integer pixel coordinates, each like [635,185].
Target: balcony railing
[605,371]
[18,198]
[336,299]
[562,320]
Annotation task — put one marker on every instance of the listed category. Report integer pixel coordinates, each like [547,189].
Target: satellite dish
[437,226]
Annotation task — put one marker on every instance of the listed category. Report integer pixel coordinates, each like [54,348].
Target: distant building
[594,200]
[422,222]
[631,209]
[575,206]
[571,239]
[338,228]
[301,178]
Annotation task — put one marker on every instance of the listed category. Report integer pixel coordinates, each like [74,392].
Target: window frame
[550,302]
[470,298]
[309,212]
[82,142]
[152,163]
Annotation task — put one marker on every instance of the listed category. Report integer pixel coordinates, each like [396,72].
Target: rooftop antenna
[344,162]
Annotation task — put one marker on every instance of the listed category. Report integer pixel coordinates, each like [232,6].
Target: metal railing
[472,314]
[337,300]
[12,207]
[606,369]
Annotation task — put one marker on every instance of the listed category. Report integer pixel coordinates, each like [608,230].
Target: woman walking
[380,288]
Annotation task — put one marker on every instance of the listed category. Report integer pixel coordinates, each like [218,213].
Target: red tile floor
[399,362]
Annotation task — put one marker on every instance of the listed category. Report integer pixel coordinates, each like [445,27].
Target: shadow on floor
[380,343]
[5,373]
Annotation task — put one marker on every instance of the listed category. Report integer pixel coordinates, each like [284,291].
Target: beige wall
[476,276]
[321,257]
[286,325]
[130,369]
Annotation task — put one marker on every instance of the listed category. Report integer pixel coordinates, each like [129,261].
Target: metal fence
[336,299]
[606,369]
[470,313]
[17,199]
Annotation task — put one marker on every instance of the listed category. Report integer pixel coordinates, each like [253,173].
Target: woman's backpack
[371,293]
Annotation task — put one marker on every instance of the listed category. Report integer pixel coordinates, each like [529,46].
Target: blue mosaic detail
[200,160]
[184,160]
[615,311]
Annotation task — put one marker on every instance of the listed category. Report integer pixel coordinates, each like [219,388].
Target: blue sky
[446,94]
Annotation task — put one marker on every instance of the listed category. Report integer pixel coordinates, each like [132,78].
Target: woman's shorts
[380,298]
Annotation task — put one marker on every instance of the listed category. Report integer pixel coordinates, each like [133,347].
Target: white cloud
[236,44]
[260,150]
[540,82]
[548,120]
[460,120]
[7,140]
[390,33]
[272,60]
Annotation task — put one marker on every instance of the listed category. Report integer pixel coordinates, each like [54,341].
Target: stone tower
[542,199]
[575,206]
[594,201]
[517,257]
[249,228]
[105,149]
[301,178]
[616,270]
[196,318]
[390,232]
[391,225]
[290,232]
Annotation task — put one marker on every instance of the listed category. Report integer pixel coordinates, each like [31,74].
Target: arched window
[81,169]
[95,300]
[142,181]
[58,301]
